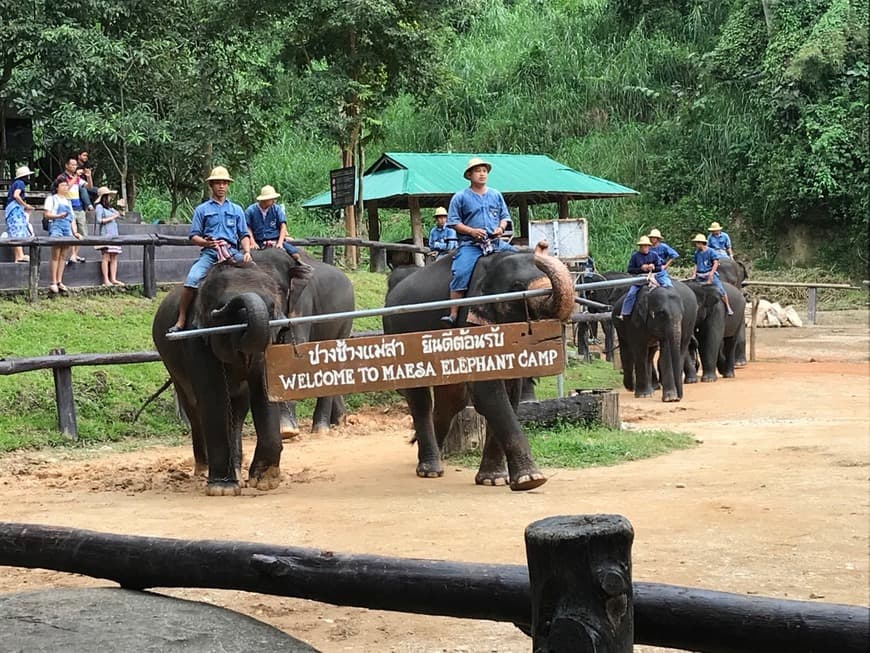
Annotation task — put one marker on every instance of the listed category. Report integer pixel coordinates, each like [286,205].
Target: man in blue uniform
[442,238]
[219,227]
[706,267]
[644,261]
[479,215]
[666,253]
[267,223]
[719,241]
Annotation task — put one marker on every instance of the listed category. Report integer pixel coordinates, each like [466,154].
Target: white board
[568,238]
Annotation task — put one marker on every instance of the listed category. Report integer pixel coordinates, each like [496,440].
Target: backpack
[45,207]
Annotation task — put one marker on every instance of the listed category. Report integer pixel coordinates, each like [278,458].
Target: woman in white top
[61,224]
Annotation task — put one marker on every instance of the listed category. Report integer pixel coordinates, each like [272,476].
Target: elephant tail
[152,398]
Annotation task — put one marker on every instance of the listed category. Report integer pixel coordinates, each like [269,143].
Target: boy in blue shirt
[666,253]
[219,227]
[706,266]
[644,261]
[479,215]
[719,241]
[442,238]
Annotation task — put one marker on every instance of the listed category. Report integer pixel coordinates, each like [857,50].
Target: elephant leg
[671,366]
[222,479]
[197,433]
[642,370]
[337,416]
[428,454]
[240,405]
[265,470]
[740,350]
[289,423]
[726,362]
[322,415]
[609,341]
[690,370]
[449,401]
[492,401]
[493,468]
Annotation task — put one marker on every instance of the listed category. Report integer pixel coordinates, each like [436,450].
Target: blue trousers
[290,248]
[663,279]
[703,276]
[207,258]
[465,259]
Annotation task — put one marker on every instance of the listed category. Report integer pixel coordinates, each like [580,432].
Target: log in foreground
[665,615]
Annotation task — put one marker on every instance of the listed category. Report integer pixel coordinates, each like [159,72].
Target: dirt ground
[773,501]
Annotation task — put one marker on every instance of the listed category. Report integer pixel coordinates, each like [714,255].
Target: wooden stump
[467,433]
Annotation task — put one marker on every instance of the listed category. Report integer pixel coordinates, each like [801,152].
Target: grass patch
[570,446]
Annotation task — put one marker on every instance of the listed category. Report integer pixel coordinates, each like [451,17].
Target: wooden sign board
[413,360]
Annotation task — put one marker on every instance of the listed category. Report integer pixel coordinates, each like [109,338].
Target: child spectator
[107,217]
[17,225]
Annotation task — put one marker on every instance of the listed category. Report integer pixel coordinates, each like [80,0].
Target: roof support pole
[523,205]
[416,227]
[378,261]
[563,207]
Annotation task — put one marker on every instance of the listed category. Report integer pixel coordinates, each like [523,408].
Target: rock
[792,316]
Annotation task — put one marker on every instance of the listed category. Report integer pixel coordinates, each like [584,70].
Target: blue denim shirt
[666,252]
[477,211]
[438,239]
[720,242]
[265,227]
[704,260]
[219,222]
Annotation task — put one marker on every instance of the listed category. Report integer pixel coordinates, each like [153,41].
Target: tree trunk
[351,254]
[467,433]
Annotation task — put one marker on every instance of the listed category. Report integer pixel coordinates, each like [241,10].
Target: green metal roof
[433,178]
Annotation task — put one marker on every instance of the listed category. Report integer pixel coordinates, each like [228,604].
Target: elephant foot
[708,379]
[200,469]
[491,478]
[430,470]
[223,489]
[693,379]
[670,397]
[740,363]
[640,394]
[320,429]
[289,431]
[265,479]
[528,482]
[727,375]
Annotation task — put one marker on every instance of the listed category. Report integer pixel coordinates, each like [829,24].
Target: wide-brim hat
[104,190]
[715,227]
[473,162]
[643,240]
[700,238]
[440,211]
[655,233]
[23,171]
[267,193]
[219,173]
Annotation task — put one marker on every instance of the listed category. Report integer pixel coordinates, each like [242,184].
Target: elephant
[716,332]
[734,272]
[507,458]
[663,319]
[328,291]
[607,296]
[219,378]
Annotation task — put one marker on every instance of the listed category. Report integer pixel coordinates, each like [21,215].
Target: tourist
[17,223]
[107,225]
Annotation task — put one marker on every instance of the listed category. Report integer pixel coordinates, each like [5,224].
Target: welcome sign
[412,360]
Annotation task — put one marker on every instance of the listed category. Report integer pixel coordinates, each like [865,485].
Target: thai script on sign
[341,352]
[447,341]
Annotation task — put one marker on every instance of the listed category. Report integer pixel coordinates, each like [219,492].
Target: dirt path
[774,500]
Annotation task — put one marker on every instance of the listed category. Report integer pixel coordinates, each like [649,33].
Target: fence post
[811,306]
[63,397]
[581,589]
[753,325]
[378,262]
[35,255]
[329,254]
[149,274]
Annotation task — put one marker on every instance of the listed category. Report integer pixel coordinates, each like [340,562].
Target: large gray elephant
[663,319]
[220,378]
[717,332]
[734,272]
[506,457]
[327,291]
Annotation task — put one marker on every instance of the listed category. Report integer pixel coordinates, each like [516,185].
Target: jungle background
[750,112]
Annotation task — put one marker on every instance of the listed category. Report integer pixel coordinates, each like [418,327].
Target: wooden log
[467,433]
[16,365]
[586,407]
[811,306]
[665,615]
[64,400]
[753,327]
[523,205]
[580,578]
[563,207]
[149,274]
[33,280]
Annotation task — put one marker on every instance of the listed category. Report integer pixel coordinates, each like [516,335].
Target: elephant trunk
[250,308]
[560,303]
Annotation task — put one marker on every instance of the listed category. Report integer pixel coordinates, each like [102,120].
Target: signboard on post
[568,238]
[342,187]
[413,360]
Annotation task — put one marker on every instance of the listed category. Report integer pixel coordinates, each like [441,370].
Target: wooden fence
[151,241]
[575,594]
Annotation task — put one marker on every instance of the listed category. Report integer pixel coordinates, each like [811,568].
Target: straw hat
[700,238]
[655,233]
[219,173]
[440,211]
[23,171]
[715,227]
[643,240]
[104,190]
[267,193]
[473,162]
